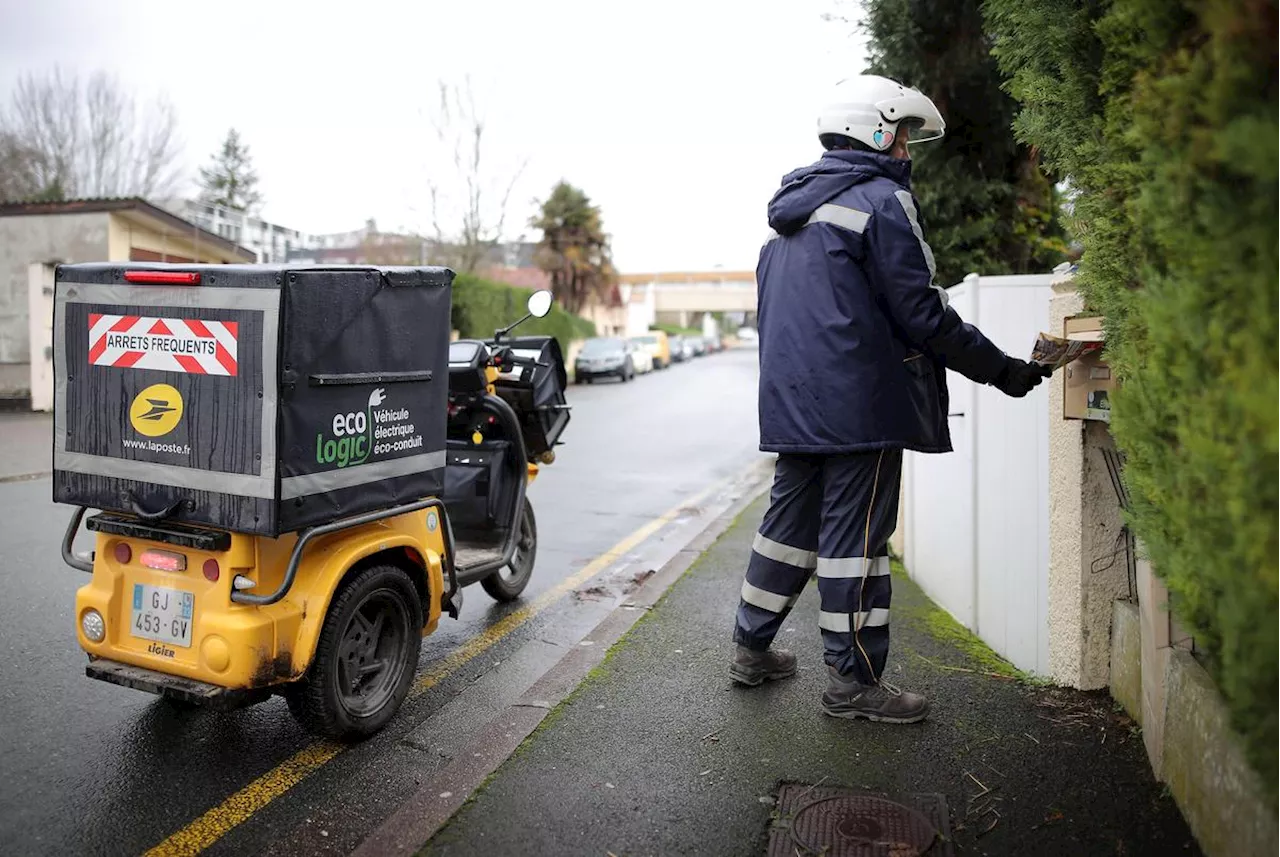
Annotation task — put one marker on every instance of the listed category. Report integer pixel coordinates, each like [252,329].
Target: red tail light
[211,570]
[163,278]
[122,553]
[163,560]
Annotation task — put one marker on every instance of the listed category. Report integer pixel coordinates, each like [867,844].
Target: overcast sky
[677,117]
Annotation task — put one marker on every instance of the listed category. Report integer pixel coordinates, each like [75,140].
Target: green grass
[914,606]
[675,330]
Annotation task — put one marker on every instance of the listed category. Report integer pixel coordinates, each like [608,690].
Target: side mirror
[540,303]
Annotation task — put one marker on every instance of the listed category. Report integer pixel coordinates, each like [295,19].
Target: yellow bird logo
[156,411]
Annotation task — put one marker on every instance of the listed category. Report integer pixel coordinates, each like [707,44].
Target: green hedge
[1163,113]
[675,330]
[480,307]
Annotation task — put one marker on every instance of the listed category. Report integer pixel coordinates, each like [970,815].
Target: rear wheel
[365,659]
[508,582]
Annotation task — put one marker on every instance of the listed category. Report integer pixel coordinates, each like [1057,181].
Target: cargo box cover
[265,399]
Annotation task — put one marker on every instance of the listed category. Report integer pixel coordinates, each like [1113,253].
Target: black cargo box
[260,399]
[536,392]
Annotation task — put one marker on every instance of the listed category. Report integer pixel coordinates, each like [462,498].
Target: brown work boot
[883,703]
[751,668]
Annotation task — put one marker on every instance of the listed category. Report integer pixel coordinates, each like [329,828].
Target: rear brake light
[163,278]
[163,560]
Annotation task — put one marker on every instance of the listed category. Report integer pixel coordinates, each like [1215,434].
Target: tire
[376,617]
[508,582]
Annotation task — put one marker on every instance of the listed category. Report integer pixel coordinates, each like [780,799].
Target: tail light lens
[163,278]
[211,570]
[123,553]
[163,560]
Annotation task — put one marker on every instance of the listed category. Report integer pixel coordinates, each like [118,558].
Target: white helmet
[869,109]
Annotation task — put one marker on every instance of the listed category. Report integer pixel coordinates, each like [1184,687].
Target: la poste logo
[156,411]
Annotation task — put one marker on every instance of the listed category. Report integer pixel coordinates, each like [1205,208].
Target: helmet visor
[913,130]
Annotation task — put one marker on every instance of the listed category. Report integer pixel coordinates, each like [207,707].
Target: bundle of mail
[1057,352]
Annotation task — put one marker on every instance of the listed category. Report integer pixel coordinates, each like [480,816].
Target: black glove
[1018,377]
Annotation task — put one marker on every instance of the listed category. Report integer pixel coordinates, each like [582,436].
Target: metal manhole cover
[836,822]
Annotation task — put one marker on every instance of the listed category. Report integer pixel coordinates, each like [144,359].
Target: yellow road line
[240,807]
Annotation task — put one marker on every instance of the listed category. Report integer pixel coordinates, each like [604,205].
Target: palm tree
[574,250]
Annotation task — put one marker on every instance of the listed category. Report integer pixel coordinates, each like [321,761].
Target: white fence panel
[977,520]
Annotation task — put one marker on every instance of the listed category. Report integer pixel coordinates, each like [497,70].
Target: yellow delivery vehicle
[293,473]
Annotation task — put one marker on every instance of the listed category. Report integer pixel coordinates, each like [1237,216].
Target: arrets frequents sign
[169,344]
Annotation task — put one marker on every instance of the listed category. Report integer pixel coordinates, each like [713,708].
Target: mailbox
[1087,382]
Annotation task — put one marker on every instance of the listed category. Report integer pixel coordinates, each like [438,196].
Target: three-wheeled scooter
[295,474]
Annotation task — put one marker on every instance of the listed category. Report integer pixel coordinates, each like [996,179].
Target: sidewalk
[27,446]
[658,753]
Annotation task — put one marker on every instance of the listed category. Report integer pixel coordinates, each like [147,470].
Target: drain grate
[837,822]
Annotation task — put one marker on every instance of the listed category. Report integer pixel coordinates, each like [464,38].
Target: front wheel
[365,659]
[508,582]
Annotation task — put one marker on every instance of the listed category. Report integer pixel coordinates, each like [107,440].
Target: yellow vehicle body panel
[660,350]
[247,646]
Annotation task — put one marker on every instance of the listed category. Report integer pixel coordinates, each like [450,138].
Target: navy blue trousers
[832,514]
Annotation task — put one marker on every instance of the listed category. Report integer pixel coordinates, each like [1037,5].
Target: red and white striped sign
[170,344]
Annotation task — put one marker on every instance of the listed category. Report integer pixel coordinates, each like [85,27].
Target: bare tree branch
[65,139]
[468,204]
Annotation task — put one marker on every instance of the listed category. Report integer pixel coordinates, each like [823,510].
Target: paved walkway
[658,753]
[26,444]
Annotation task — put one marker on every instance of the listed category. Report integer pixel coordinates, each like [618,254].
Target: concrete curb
[427,810]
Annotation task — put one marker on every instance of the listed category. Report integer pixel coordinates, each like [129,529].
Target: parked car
[640,357]
[679,349]
[698,344]
[748,334]
[657,343]
[604,357]
[714,344]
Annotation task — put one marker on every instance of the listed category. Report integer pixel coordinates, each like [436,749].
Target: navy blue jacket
[855,337]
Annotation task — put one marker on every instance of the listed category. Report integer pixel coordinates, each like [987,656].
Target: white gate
[976,521]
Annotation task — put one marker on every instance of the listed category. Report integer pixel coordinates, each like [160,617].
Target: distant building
[685,298]
[36,236]
[270,242]
[366,246]
[511,262]
[527,277]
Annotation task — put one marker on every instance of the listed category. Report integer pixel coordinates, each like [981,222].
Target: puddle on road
[615,585]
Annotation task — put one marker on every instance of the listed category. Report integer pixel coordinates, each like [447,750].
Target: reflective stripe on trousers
[832,514]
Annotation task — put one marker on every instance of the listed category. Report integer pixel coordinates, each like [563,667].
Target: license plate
[162,614]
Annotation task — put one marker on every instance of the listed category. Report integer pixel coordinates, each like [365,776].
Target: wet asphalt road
[91,768]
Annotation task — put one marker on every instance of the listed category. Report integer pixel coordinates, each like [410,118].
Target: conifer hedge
[1163,116]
